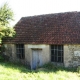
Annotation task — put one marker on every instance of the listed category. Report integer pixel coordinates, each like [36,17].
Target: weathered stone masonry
[70,57]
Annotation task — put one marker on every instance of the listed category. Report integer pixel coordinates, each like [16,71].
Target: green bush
[2,49]
[50,66]
[1,58]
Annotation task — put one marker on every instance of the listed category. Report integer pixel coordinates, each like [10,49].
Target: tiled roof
[60,28]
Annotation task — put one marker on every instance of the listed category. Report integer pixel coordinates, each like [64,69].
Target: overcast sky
[22,8]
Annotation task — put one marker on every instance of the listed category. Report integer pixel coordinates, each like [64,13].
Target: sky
[24,8]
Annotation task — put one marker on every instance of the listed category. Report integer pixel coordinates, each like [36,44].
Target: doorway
[36,58]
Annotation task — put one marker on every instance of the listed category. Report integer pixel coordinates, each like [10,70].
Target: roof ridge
[57,29]
[50,14]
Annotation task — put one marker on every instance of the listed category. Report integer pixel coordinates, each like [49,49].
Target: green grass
[9,71]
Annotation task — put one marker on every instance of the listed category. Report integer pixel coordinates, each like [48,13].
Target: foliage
[10,71]
[1,58]
[6,15]
[6,32]
[50,66]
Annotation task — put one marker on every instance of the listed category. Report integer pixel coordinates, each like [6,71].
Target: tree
[6,15]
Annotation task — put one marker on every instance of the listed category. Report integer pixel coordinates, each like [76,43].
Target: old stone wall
[71,55]
[11,52]
[8,50]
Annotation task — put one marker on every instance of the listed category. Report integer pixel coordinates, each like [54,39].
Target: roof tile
[60,28]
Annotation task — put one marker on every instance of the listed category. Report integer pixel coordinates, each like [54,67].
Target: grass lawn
[9,71]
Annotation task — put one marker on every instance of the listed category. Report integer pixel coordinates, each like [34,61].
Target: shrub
[50,66]
[1,58]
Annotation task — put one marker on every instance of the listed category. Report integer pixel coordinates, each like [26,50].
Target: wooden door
[36,58]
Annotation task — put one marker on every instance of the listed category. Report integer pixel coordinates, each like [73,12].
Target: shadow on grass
[15,66]
[46,68]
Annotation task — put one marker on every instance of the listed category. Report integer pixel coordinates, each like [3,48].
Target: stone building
[46,38]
